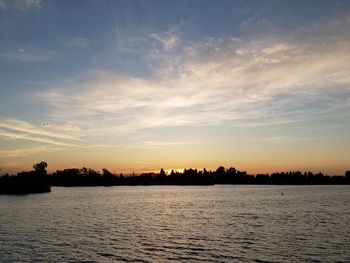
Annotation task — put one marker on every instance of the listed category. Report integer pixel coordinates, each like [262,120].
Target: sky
[261,86]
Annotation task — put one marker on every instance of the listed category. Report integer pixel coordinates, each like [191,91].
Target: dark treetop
[39,181]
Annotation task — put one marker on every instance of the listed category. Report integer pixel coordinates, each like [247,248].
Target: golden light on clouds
[250,102]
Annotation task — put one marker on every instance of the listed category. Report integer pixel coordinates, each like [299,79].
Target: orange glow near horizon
[160,91]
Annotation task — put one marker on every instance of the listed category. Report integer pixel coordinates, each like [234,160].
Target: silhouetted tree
[37,180]
[162,172]
[106,173]
[262,178]
[40,168]
[34,181]
[220,171]
[231,171]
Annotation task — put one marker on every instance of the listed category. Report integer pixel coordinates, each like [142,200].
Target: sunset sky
[138,85]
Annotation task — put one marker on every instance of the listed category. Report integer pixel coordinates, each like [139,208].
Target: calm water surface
[172,223]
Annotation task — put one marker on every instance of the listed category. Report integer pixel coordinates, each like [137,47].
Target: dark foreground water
[170,223]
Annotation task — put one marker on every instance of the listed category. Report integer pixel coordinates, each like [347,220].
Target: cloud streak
[26,55]
[168,39]
[73,42]
[19,153]
[26,127]
[54,134]
[19,5]
[21,136]
[216,81]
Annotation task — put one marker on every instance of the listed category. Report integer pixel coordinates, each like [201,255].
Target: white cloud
[49,130]
[22,136]
[215,81]
[168,39]
[54,133]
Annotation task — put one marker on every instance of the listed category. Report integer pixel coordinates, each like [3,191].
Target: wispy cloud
[26,127]
[73,42]
[47,133]
[216,81]
[19,5]
[19,153]
[26,55]
[21,136]
[168,39]
[142,163]
[152,144]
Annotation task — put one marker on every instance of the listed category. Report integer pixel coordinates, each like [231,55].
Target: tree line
[38,180]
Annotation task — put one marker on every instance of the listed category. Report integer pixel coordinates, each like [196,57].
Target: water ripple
[189,224]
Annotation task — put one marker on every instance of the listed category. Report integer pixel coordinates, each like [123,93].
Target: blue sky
[139,85]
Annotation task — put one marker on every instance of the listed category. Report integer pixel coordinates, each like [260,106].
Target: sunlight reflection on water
[172,223]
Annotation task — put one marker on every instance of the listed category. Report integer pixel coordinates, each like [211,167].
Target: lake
[231,223]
